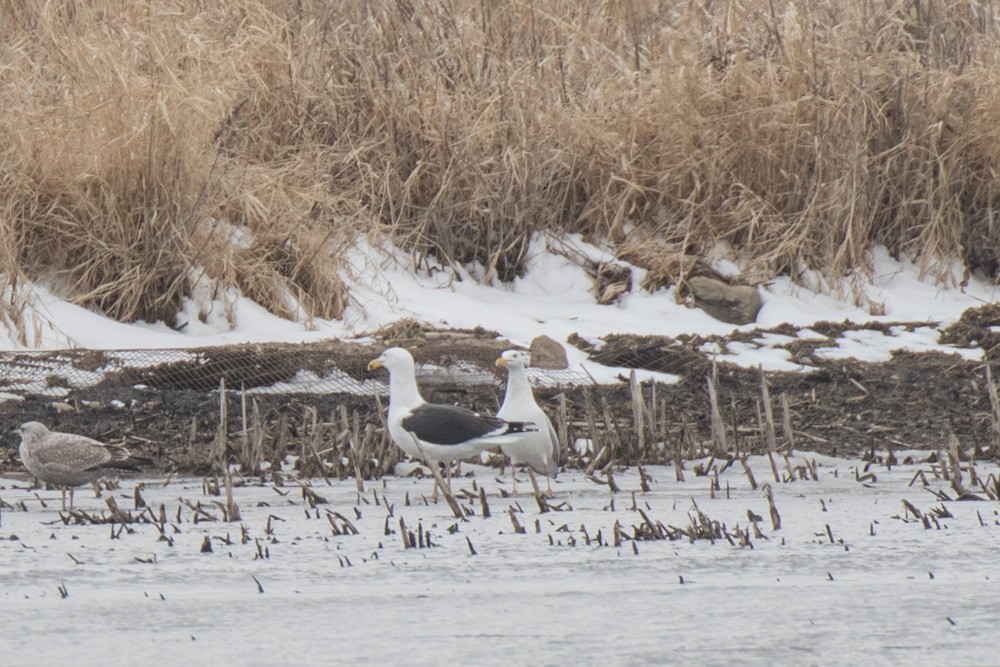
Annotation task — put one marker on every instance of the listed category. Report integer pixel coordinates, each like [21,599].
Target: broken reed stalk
[518,528]
[373,436]
[193,434]
[638,409]
[643,479]
[651,425]
[386,442]
[232,512]
[116,513]
[677,455]
[315,443]
[596,461]
[138,502]
[750,477]
[786,424]
[257,435]
[562,422]
[942,466]
[765,395]
[718,427]
[772,508]
[994,413]
[245,431]
[991,487]
[921,476]
[788,467]
[483,504]
[222,433]
[595,437]
[955,463]
[345,527]
[973,477]
[456,509]
[769,431]
[609,429]
[909,507]
[543,503]
[770,454]
[956,469]
[405,534]
[200,513]
[357,447]
[610,478]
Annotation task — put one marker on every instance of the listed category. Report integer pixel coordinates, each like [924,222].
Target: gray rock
[736,304]
[548,353]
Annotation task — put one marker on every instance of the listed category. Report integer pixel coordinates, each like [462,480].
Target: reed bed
[167,149]
[602,430]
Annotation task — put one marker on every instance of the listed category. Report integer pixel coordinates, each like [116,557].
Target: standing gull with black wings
[435,432]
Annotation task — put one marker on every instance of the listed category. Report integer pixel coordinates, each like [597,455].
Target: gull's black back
[450,424]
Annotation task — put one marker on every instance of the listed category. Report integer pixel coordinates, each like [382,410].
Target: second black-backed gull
[539,450]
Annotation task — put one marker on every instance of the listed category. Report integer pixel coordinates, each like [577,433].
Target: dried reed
[153,152]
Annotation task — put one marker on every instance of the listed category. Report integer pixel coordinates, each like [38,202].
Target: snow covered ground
[553,298]
[850,577]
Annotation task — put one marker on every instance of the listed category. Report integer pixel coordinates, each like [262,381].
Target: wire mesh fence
[442,361]
[313,407]
[257,369]
[316,403]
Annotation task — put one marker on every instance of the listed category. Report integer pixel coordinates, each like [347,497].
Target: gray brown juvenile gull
[68,460]
[433,431]
[539,449]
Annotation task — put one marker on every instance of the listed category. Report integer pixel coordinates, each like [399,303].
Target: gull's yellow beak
[373,364]
[501,362]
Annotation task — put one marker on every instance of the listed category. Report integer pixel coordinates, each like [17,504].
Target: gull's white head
[392,359]
[33,430]
[514,359]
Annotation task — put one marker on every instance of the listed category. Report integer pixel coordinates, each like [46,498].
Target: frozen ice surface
[885,590]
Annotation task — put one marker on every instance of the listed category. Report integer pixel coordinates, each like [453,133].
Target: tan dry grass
[137,136]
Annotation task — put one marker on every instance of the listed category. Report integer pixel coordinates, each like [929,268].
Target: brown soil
[171,411]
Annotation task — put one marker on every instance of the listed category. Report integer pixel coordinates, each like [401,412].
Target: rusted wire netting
[256,369]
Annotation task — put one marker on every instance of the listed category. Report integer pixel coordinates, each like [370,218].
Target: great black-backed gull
[539,450]
[432,431]
[67,460]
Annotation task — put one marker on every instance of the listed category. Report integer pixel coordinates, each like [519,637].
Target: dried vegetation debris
[977,327]
[913,400]
[254,171]
[656,353]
